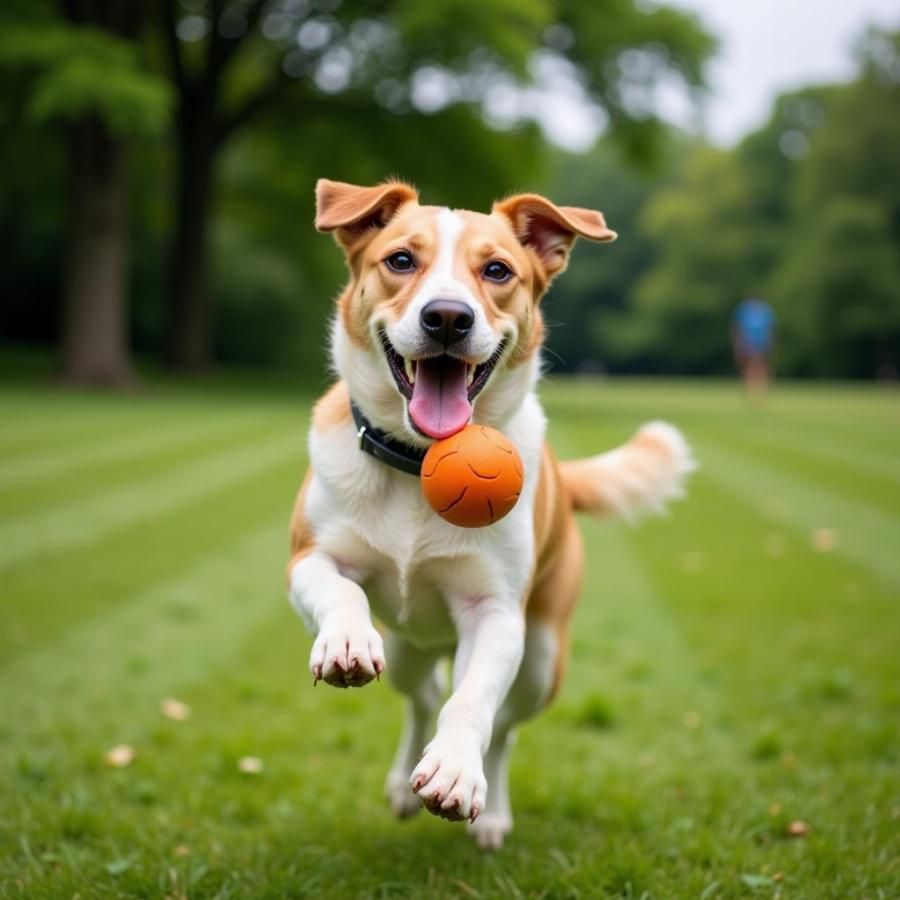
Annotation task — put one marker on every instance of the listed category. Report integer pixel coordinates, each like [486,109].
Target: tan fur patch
[303,541]
[559,554]
[332,410]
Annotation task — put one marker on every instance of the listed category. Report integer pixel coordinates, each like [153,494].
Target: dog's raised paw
[449,780]
[347,654]
[490,830]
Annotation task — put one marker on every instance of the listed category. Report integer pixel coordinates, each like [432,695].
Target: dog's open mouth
[440,389]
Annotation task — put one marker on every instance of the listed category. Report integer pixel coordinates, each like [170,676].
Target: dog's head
[440,322]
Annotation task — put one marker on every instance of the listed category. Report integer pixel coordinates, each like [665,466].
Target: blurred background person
[752,337]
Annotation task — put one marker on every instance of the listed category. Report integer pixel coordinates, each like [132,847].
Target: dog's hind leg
[492,826]
[527,696]
[413,671]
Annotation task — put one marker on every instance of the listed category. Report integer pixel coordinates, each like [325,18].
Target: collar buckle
[392,453]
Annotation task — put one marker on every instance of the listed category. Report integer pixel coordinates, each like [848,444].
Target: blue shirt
[754,322]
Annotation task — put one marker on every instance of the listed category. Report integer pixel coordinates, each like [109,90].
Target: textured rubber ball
[472,478]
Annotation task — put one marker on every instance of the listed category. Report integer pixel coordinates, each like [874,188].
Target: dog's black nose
[447,321]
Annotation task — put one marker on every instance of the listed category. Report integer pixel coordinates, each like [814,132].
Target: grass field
[736,667]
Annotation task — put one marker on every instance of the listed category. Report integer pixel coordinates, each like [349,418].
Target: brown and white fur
[499,599]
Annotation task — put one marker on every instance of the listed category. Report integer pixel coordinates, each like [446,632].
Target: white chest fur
[373,521]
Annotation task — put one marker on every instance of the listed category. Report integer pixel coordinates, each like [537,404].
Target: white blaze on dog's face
[440,321]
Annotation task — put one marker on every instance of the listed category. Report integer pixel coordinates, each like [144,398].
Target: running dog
[440,325]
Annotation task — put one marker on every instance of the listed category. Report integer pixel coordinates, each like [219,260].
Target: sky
[770,46]
[766,47]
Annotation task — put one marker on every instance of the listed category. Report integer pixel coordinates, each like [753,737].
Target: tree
[805,211]
[711,249]
[232,61]
[838,283]
[85,76]
[839,293]
[590,310]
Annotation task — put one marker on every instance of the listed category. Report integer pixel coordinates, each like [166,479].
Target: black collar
[378,444]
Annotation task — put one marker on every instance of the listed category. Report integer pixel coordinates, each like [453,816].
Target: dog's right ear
[351,211]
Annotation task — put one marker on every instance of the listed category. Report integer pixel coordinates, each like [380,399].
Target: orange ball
[472,478]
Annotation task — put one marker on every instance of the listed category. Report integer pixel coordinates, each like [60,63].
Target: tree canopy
[215,117]
[803,212]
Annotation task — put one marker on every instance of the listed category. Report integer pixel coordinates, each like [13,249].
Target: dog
[440,325]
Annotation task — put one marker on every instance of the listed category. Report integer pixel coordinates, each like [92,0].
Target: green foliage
[588,309]
[284,120]
[839,291]
[805,211]
[625,51]
[77,71]
[508,30]
[838,286]
[710,253]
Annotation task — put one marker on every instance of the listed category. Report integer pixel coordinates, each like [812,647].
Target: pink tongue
[440,401]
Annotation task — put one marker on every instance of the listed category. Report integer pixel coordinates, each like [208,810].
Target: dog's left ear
[550,230]
[350,211]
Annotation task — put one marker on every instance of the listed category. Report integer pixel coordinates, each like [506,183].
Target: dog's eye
[497,271]
[401,261]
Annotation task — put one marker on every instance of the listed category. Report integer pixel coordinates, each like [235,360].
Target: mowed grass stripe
[869,536]
[259,701]
[770,628]
[46,494]
[853,453]
[60,460]
[77,420]
[108,674]
[624,628]
[625,634]
[859,477]
[87,521]
[792,676]
[82,581]
[34,421]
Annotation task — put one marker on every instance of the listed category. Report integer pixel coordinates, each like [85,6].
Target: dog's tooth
[410,370]
[471,376]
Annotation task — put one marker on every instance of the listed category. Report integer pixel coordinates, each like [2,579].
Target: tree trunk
[94,336]
[188,322]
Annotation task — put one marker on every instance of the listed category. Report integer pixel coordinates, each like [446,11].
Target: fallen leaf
[250,765]
[120,756]
[119,866]
[824,540]
[798,828]
[174,709]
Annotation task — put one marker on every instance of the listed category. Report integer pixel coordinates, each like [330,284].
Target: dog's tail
[640,476]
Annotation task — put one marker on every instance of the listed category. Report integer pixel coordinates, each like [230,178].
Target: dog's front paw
[449,778]
[347,652]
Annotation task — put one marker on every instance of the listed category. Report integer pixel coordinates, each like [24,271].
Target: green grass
[727,678]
